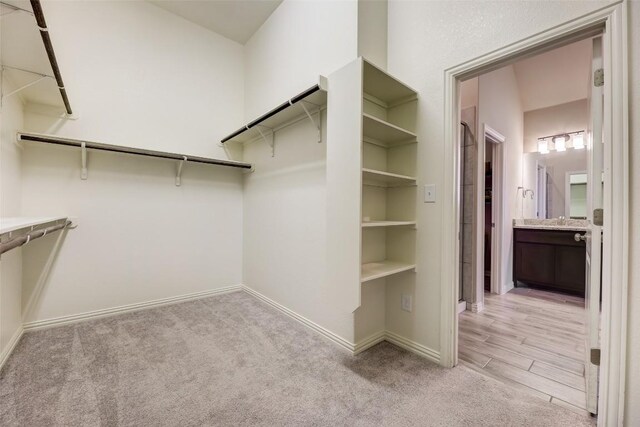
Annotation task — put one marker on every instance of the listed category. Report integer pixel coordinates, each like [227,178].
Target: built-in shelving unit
[378,270]
[388,176]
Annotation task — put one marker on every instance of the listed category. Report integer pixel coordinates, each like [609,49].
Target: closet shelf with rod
[84,145]
[32,65]
[17,231]
[305,104]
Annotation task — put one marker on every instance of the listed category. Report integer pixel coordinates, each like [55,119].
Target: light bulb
[559,142]
[578,141]
[543,146]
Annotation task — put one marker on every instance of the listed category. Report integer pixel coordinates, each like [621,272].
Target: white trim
[63,320]
[476,307]
[369,342]
[615,266]
[11,345]
[319,329]
[413,346]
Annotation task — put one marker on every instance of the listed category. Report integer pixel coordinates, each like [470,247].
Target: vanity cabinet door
[535,263]
[571,268]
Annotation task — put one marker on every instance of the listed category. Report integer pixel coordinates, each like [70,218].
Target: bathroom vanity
[549,256]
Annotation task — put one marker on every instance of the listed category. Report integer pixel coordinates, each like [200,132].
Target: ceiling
[235,19]
[555,77]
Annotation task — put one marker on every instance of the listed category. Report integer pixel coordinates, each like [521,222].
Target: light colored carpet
[232,360]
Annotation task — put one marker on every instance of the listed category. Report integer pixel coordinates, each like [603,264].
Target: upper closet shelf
[386,179]
[30,65]
[8,225]
[84,145]
[385,133]
[384,87]
[310,101]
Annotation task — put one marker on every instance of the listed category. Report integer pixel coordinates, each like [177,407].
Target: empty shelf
[385,87]
[19,223]
[386,178]
[385,133]
[387,223]
[282,114]
[376,270]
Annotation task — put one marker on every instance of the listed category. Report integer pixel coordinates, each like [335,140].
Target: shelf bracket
[36,81]
[179,173]
[271,143]
[317,125]
[83,149]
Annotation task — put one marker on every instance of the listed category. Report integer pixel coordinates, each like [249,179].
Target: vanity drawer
[549,237]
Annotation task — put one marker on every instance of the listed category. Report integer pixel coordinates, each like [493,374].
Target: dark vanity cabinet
[549,258]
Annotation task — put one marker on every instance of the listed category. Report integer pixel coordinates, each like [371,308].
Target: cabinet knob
[580,237]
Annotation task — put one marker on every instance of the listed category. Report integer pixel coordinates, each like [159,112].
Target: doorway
[607,22]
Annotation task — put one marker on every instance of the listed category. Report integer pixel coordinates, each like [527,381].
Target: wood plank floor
[531,339]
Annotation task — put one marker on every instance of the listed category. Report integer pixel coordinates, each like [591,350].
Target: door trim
[613,20]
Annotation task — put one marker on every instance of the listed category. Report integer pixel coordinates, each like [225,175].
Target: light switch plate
[430,193]
[406,303]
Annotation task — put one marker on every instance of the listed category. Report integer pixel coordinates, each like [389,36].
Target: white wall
[11,119]
[299,41]
[136,76]
[285,199]
[563,118]
[499,106]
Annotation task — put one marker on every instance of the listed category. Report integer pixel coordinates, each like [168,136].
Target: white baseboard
[356,348]
[475,307]
[310,324]
[11,345]
[413,347]
[369,342]
[63,320]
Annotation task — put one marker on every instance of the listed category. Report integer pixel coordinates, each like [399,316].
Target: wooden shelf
[376,270]
[385,133]
[10,224]
[385,87]
[386,178]
[387,223]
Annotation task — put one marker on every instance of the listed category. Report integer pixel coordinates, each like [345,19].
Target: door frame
[541,193]
[611,21]
[497,213]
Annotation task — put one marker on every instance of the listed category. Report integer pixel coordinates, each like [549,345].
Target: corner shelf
[282,115]
[369,224]
[385,87]
[385,133]
[386,178]
[377,270]
[11,224]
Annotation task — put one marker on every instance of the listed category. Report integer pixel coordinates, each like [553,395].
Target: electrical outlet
[406,302]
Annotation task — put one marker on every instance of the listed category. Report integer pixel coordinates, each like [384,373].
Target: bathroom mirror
[554,184]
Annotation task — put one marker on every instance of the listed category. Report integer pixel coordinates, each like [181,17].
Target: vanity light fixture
[560,142]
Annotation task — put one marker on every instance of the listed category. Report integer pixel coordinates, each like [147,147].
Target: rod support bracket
[179,173]
[83,172]
[317,125]
[268,139]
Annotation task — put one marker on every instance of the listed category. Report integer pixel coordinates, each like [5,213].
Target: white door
[593,237]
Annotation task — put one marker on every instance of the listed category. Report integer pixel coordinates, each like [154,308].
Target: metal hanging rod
[274,111]
[36,234]
[48,47]
[50,139]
